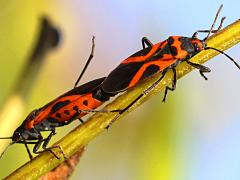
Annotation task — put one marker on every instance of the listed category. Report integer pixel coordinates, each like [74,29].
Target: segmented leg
[26,146]
[81,121]
[202,69]
[47,140]
[214,30]
[210,31]
[75,116]
[44,146]
[146,91]
[174,82]
[79,111]
[87,63]
[101,110]
[147,42]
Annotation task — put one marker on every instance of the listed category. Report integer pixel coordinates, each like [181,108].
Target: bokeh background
[194,135]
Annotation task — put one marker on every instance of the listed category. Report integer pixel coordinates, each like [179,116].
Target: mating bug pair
[153,58]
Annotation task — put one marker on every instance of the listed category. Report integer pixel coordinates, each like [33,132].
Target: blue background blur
[194,135]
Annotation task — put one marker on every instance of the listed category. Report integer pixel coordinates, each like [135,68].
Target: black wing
[118,80]
[85,88]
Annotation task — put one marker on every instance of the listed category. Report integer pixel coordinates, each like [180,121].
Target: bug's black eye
[196,47]
[16,136]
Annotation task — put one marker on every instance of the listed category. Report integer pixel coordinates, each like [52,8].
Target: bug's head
[193,46]
[18,135]
[23,132]
[185,47]
[198,45]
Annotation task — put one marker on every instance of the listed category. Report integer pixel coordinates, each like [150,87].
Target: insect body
[151,60]
[69,106]
[63,110]
[159,58]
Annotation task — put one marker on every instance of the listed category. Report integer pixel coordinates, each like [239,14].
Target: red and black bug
[159,58]
[63,110]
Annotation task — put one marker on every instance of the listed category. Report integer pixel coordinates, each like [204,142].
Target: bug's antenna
[87,63]
[214,22]
[229,57]
[6,148]
[211,31]
[5,137]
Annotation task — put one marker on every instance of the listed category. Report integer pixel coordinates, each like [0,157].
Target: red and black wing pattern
[139,66]
[62,108]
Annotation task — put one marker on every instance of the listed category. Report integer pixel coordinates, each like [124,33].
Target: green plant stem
[96,124]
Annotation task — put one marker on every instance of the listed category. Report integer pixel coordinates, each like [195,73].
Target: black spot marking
[186,44]
[85,102]
[165,50]
[66,112]
[75,108]
[58,115]
[152,69]
[159,54]
[59,105]
[174,50]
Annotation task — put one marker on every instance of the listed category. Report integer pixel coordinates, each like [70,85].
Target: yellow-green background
[194,135]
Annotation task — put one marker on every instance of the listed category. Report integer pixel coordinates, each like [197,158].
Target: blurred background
[194,135]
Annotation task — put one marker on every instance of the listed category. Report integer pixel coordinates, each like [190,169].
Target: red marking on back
[177,44]
[155,48]
[162,63]
[76,100]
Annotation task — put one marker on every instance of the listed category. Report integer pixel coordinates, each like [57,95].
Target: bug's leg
[45,143]
[78,112]
[100,110]
[212,31]
[221,23]
[37,146]
[87,63]
[27,148]
[202,69]
[75,116]
[47,140]
[89,111]
[174,83]
[81,121]
[146,91]
[146,41]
